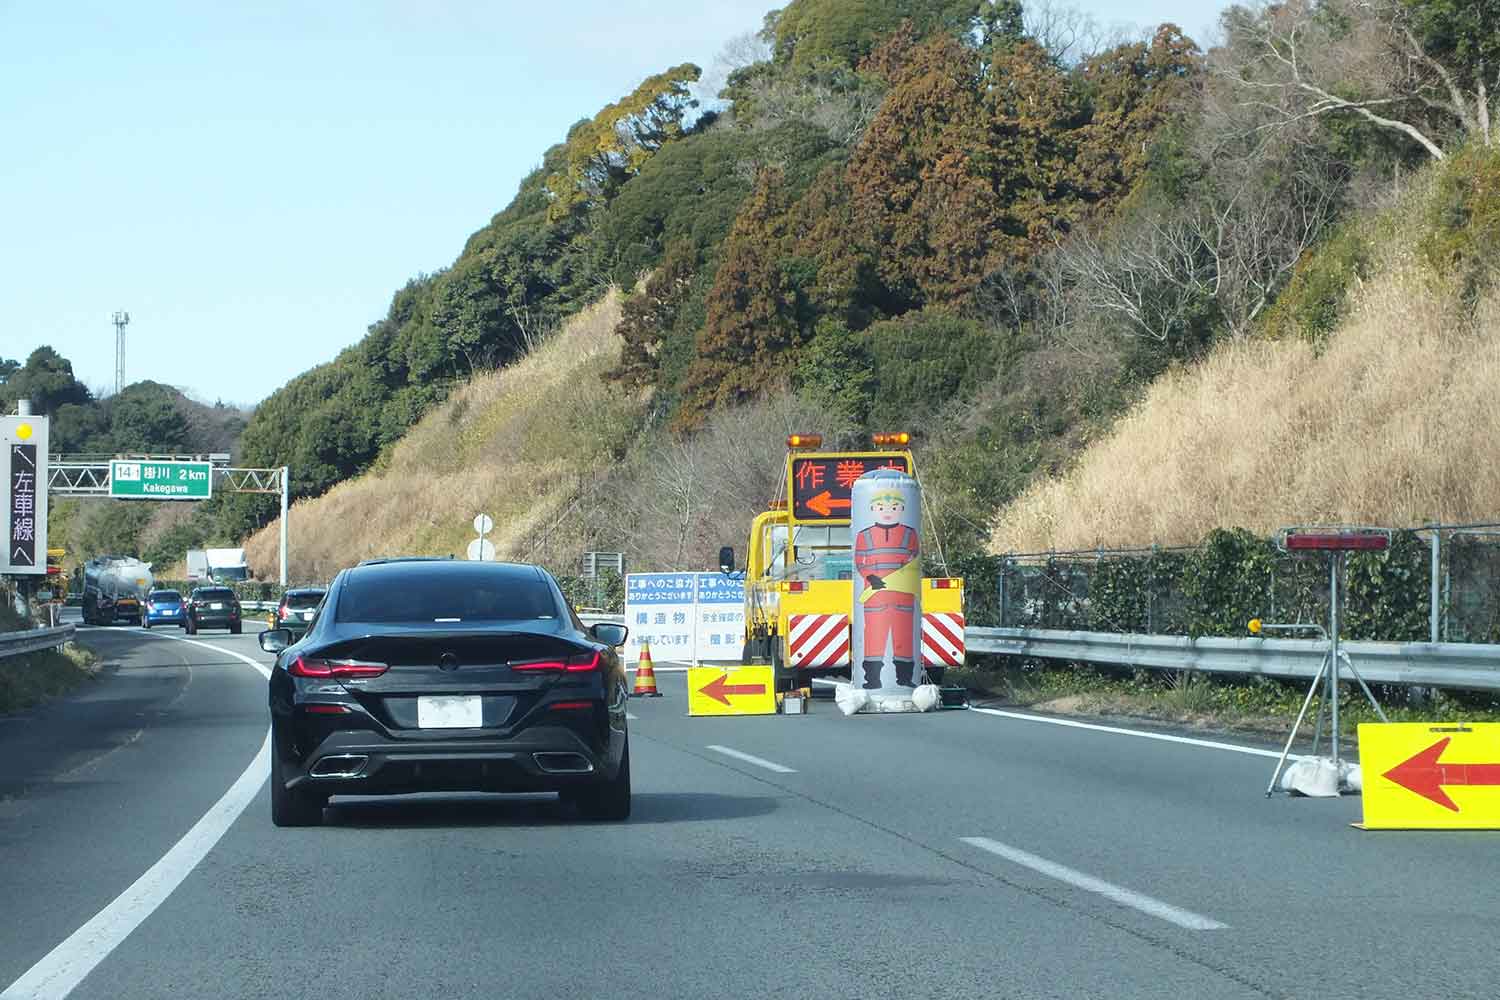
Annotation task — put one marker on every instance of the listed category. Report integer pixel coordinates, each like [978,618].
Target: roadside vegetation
[1260,706]
[30,679]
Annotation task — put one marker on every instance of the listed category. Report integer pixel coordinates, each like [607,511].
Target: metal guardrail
[1437,664]
[33,640]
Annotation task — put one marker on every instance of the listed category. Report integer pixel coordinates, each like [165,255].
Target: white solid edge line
[60,971]
[1119,731]
[1118,894]
[751,759]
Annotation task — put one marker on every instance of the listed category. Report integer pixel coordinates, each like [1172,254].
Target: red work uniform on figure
[879,551]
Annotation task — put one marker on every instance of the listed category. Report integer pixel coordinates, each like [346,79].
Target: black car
[296,609]
[432,675]
[213,607]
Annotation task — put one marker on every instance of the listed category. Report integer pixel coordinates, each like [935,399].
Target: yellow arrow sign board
[731,691]
[1430,776]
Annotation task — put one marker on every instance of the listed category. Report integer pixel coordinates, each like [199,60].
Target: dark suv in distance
[213,607]
[422,675]
[296,610]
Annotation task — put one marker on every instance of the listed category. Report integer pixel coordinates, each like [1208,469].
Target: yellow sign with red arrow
[731,691]
[1430,776]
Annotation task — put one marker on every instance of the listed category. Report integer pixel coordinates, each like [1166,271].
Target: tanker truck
[115,589]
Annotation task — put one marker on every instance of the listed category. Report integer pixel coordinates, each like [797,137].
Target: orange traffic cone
[645,675]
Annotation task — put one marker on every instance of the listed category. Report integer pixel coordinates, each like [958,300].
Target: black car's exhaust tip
[340,766]
[563,763]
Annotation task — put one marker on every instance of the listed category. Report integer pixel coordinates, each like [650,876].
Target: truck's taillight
[307,666]
[794,586]
[581,663]
[945,583]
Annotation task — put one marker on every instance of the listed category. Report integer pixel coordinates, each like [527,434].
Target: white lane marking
[1125,897]
[60,971]
[1119,731]
[750,759]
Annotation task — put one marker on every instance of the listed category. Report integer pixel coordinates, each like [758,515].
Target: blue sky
[253,181]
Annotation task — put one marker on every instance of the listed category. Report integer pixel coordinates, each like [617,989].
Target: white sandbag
[1315,777]
[926,697]
[850,699]
[1354,779]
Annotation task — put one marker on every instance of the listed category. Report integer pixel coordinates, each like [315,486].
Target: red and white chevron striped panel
[942,639]
[818,641]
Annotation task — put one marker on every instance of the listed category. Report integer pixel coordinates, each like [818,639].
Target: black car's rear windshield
[166,597]
[216,594]
[301,602]
[445,593]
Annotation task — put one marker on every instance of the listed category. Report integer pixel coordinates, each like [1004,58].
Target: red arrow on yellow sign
[1426,774]
[720,689]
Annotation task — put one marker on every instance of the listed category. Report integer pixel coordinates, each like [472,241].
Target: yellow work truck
[799,565]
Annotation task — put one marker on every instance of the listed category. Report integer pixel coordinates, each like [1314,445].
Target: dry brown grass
[1396,421]
[516,443]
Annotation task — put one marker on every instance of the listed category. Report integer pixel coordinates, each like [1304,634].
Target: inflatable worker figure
[885,557]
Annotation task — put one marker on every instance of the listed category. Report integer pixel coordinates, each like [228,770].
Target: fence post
[1004,572]
[1433,615]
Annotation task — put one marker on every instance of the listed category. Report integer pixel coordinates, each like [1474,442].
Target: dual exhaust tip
[352,765]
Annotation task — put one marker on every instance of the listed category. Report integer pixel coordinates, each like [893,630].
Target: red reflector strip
[325,709]
[1338,542]
[570,706]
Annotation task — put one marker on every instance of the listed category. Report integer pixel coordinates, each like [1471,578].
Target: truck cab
[799,568]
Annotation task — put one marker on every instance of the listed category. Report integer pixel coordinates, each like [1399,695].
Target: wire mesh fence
[1217,587]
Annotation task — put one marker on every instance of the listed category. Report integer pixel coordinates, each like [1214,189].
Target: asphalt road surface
[957,854]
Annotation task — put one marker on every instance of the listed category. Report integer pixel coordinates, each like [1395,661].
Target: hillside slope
[518,444]
[1393,421]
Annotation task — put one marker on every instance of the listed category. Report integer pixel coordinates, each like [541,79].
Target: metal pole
[1335,560]
[1004,571]
[283,523]
[1433,614]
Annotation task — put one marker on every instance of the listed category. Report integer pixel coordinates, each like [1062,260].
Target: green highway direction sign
[161,480]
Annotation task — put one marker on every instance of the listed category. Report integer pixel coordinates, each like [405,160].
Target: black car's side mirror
[609,633]
[726,559]
[274,640]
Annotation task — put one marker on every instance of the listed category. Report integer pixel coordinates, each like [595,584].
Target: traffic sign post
[482,549]
[1421,776]
[1337,543]
[160,479]
[23,495]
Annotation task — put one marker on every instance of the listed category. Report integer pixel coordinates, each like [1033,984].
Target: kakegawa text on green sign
[150,480]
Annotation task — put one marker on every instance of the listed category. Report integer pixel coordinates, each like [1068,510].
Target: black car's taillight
[307,666]
[581,663]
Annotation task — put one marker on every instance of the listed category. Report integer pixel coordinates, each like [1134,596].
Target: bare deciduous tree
[1299,60]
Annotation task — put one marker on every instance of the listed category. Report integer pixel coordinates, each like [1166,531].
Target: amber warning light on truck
[821,483]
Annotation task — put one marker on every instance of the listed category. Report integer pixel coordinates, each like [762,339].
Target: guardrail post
[1004,572]
[1435,611]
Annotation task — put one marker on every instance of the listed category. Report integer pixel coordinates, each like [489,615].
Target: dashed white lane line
[60,971]
[1117,894]
[751,759]
[1145,735]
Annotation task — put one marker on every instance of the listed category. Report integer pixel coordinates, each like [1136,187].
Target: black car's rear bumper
[362,762]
